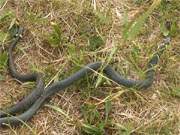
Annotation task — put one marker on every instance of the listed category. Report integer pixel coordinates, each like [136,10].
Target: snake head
[167,39]
[16,31]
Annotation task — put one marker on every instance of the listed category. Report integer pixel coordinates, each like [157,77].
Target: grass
[61,37]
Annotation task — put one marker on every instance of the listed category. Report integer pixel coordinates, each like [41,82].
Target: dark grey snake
[32,103]
[26,102]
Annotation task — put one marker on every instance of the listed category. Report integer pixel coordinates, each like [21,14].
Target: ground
[62,36]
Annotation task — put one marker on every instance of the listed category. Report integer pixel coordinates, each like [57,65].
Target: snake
[37,77]
[29,106]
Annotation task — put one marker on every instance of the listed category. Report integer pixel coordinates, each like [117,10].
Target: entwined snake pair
[27,107]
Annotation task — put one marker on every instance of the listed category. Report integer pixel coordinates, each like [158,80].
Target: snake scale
[26,108]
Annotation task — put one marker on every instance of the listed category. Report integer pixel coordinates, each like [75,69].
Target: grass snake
[26,108]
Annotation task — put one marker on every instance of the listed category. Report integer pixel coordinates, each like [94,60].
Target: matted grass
[63,36]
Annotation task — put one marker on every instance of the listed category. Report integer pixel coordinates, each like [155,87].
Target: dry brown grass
[154,111]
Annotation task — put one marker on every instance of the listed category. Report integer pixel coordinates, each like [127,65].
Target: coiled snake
[32,103]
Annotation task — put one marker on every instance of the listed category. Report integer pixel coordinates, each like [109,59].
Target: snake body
[37,77]
[32,103]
